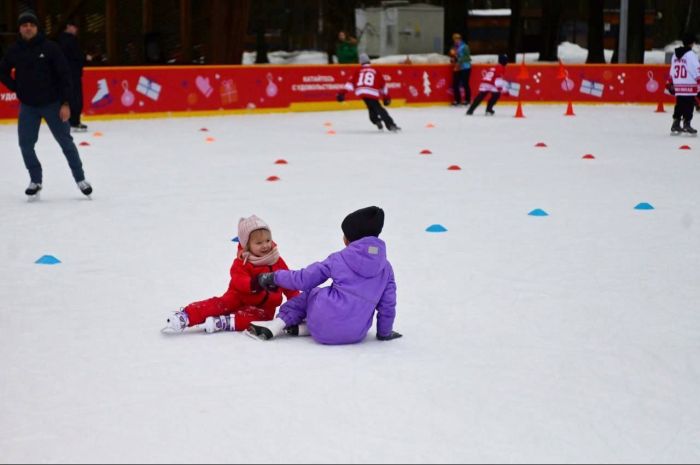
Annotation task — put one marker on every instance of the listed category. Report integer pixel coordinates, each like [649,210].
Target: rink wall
[211,90]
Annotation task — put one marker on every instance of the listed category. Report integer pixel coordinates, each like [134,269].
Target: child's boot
[265,330]
[688,129]
[676,127]
[214,324]
[176,323]
[298,330]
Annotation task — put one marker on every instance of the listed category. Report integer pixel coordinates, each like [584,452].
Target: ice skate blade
[170,331]
[259,333]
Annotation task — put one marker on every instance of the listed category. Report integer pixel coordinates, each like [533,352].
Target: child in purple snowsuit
[342,313]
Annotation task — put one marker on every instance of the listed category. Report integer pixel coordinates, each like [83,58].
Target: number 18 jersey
[368,83]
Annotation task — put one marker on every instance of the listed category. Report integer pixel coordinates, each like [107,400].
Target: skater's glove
[387,101]
[669,87]
[393,335]
[267,281]
[340,97]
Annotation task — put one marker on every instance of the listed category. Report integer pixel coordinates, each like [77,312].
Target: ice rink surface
[572,337]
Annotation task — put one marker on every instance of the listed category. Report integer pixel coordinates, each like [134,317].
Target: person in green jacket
[346,48]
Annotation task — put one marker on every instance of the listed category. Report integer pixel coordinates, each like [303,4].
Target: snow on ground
[568,338]
[567,52]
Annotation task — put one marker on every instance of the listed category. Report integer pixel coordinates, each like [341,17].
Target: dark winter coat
[363,281]
[74,55]
[42,75]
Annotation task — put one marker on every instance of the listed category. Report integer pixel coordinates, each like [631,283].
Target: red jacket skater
[241,294]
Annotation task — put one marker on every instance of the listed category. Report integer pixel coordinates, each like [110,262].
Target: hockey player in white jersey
[684,83]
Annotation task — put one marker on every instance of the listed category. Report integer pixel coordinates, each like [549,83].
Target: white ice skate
[214,324]
[264,330]
[32,190]
[85,187]
[102,96]
[175,323]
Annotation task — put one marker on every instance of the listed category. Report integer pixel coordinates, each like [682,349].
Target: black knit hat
[689,39]
[27,17]
[363,223]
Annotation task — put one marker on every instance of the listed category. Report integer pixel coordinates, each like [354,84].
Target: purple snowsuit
[363,280]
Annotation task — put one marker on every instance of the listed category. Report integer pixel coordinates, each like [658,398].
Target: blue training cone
[644,206]
[436,228]
[48,260]
[235,239]
[538,212]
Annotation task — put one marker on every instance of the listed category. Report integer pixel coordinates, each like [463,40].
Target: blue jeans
[28,130]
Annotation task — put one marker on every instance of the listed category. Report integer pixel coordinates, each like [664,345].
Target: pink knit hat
[247,226]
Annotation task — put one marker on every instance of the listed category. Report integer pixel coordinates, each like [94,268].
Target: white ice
[568,338]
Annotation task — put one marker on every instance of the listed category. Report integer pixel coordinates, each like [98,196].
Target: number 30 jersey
[368,83]
[685,72]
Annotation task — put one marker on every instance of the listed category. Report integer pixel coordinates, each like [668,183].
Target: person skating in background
[460,57]
[491,83]
[68,40]
[342,313]
[43,85]
[368,84]
[346,49]
[244,301]
[684,83]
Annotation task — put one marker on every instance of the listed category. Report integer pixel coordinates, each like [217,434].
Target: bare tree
[456,12]
[551,21]
[635,34]
[596,50]
[515,34]
[229,26]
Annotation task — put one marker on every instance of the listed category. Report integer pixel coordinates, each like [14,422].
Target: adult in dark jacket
[68,40]
[43,86]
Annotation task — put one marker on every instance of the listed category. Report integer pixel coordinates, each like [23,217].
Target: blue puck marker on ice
[235,239]
[538,212]
[436,228]
[48,260]
[644,206]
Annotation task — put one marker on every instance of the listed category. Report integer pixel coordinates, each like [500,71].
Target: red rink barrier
[159,91]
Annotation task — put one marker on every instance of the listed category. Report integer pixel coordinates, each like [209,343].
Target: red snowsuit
[240,296]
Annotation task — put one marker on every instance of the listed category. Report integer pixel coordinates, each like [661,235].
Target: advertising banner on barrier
[182,89]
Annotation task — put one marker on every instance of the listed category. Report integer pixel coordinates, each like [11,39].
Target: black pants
[76,103]
[480,97]
[685,104]
[461,79]
[378,113]
[28,126]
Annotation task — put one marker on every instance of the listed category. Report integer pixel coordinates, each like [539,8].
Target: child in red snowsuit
[244,301]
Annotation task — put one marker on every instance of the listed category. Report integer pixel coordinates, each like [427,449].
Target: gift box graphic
[149,88]
[592,88]
[512,88]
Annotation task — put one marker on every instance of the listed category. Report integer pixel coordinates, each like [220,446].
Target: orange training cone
[660,108]
[519,111]
[570,110]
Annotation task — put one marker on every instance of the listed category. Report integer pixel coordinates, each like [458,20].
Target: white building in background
[400,28]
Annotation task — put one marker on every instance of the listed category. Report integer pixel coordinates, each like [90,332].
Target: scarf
[268,259]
